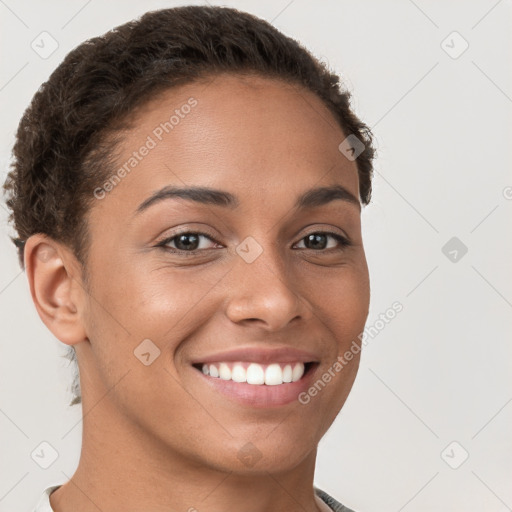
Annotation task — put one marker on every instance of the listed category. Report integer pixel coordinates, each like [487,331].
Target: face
[256,274]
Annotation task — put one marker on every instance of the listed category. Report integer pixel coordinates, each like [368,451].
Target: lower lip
[260,396]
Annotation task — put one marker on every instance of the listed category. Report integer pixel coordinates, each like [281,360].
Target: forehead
[255,136]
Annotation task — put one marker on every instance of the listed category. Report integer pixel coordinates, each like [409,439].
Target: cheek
[165,302]
[153,300]
[352,300]
[139,320]
[341,299]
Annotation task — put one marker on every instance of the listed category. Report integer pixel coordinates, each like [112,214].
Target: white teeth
[255,374]
[224,372]
[298,372]
[238,373]
[273,375]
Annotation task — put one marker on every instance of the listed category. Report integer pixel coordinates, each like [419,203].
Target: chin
[278,454]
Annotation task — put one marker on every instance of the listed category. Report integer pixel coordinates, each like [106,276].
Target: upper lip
[260,355]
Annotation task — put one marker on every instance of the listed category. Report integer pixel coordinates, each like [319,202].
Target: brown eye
[320,241]
[186,242]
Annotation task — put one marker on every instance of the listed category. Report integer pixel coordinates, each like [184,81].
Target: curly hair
[66,140]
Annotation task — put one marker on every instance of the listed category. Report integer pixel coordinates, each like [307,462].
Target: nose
[264,292]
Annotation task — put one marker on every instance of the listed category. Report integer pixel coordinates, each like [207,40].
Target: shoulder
[336,506]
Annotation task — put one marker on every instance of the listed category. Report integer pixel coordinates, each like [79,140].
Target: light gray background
[440,371]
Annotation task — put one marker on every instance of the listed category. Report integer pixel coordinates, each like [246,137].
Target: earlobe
[56,294]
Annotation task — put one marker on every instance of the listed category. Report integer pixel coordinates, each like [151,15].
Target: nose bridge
[262,288]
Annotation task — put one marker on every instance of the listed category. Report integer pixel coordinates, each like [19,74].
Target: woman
[187,192]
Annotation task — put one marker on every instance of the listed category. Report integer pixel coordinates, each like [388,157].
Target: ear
[56,288]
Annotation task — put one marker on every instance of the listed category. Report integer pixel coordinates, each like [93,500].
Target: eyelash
[344,242]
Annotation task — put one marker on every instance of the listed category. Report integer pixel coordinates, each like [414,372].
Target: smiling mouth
[257,374]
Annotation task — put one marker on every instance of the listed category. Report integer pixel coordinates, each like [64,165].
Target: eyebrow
[310,199]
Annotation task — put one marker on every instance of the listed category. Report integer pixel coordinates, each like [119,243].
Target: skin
[154,438]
